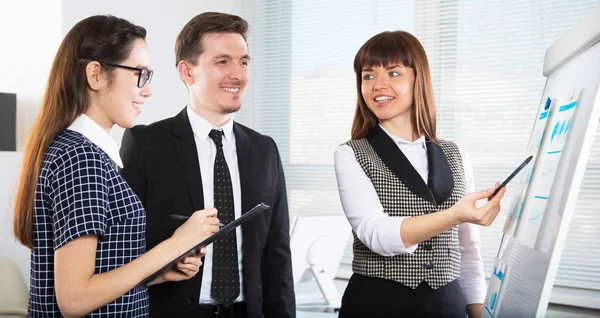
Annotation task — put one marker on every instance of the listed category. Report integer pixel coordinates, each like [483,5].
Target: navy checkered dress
[80,193]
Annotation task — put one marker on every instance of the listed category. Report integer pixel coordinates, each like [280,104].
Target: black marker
[512,175]
[183,217]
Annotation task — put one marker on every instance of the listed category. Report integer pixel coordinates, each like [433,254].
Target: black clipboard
[224,230]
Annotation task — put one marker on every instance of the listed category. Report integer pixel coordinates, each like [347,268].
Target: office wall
[9,167]
[28,42]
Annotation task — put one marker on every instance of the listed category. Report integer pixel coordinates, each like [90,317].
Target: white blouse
[381,232]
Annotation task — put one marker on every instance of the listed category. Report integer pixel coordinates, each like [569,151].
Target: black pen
[512,175]
[183,217]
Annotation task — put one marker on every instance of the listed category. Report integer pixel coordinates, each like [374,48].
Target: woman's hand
[185,269]
[466,210]
[415,230]
[198,227]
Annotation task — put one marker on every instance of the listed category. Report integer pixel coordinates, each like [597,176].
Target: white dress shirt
[96,134]
[381,232]
[207,152]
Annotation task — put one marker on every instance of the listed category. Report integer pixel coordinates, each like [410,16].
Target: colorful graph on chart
[549,149]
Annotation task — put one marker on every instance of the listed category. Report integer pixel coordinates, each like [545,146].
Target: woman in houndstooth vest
[408,195]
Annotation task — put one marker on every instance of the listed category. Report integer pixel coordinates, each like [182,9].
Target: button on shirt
[206,156]
[381,233]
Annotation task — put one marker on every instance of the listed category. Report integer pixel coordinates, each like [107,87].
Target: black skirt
[375,297]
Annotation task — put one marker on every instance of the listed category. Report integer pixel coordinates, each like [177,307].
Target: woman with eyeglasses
[84,224]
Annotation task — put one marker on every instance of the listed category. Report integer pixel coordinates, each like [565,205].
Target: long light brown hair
[388,48]
[97,38]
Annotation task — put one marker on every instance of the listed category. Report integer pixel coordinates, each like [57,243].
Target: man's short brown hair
[189,44]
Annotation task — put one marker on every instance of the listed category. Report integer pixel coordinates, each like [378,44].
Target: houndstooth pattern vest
[436,260]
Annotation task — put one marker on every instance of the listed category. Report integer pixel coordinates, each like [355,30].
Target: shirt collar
[92,131]
[419,141]
[201,127]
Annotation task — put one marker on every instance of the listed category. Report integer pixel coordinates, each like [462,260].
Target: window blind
[486,60]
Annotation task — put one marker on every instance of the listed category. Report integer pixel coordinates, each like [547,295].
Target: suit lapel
[188,156]
[440,181]
[397,162]
[245,158]
[245,165]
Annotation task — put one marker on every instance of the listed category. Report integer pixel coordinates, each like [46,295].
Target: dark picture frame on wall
[8,122]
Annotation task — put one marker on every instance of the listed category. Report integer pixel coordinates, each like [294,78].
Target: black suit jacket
[161,165]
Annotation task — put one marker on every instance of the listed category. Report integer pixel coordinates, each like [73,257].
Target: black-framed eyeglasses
[144,74]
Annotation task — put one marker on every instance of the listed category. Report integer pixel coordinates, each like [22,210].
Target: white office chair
[14,294]
[318,243]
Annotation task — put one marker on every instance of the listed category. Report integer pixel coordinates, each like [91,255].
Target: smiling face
[394,87]
[388,91]
[220,75]
[120,100]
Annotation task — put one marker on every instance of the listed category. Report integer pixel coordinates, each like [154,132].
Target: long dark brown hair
[388,48]
[97,38]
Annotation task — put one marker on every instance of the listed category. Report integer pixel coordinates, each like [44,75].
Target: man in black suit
[202,158]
